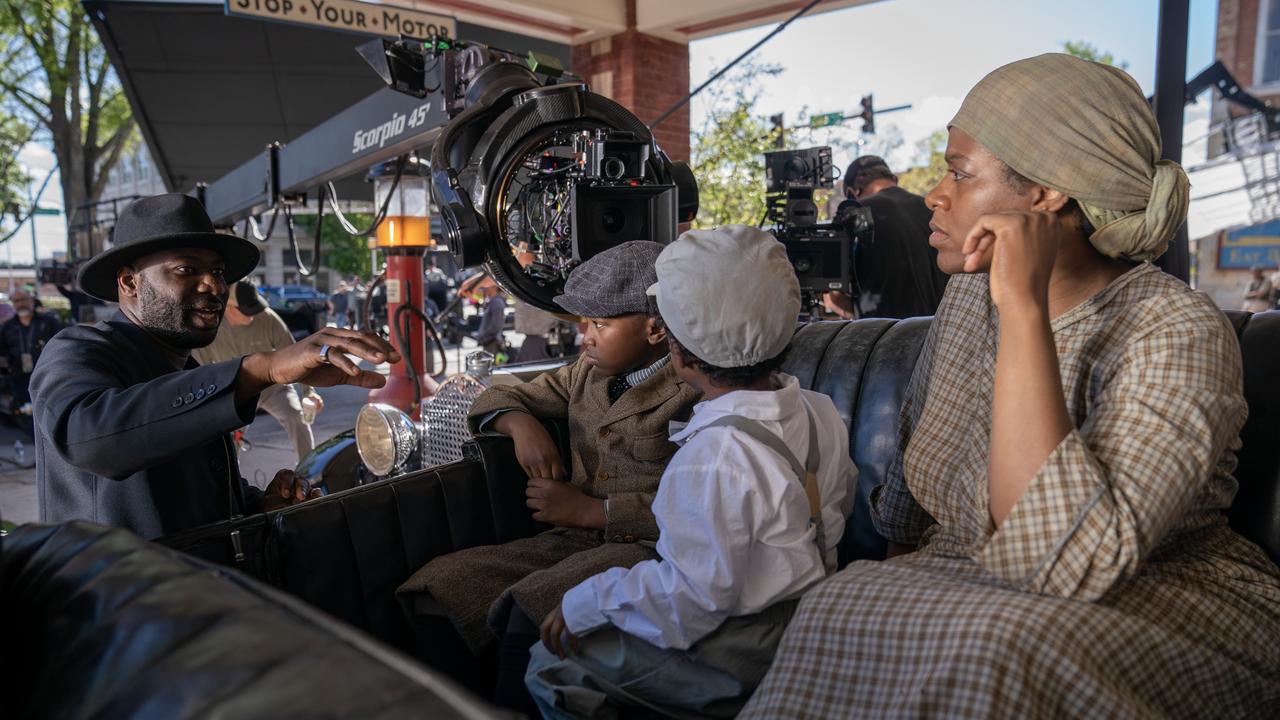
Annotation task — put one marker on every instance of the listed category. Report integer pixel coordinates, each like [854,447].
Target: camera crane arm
[523,155]
[381,127]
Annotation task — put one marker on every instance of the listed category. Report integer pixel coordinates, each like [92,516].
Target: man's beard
[167,320]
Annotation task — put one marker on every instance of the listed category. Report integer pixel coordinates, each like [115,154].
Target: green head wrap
[1084,129]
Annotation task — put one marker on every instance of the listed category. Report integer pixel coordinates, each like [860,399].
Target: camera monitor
[606,215]
[821,263]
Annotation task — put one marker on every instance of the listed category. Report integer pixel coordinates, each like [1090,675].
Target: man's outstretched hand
[302,362]
[285,489]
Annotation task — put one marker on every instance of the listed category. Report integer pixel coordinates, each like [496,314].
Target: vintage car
[345,554]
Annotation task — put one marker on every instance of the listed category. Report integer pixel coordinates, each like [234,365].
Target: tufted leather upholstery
[1256,510]
[346,553]
[865,366]
[99,623]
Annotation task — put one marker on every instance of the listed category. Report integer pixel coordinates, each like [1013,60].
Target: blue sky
[930,52]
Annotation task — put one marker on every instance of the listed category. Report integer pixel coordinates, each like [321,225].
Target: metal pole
[895,108]
[1170,103]
[35,267]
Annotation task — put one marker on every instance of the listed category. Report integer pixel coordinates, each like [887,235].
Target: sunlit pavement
[271,448]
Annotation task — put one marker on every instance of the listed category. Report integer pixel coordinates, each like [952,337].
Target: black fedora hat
[163,222]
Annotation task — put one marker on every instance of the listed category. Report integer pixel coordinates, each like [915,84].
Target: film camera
[821,253]
[610,205]
[57,274]
[534,173]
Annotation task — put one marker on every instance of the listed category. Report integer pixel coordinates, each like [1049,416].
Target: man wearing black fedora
[130,430]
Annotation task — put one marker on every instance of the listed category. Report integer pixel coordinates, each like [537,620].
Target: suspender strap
[806,474]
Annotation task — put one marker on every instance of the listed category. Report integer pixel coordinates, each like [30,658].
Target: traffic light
[868,115]
[779,137]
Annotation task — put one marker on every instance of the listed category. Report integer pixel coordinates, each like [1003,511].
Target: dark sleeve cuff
[252,498]
[222,401]
[629,517]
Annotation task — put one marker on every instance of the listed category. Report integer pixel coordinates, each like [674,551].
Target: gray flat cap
[612,283]
[729,295]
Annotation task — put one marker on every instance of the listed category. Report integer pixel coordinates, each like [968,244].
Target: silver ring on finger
[324,354]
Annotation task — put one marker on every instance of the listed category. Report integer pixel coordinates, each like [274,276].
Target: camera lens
[797,169]
[613,220]
[803,265]
[613,168]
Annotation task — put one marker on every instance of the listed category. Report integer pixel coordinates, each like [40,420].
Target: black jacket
[123,438]
[897,272]
[16,340]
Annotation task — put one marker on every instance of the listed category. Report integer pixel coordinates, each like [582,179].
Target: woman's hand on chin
[1018,249]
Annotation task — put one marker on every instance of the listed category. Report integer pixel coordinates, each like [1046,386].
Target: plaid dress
[1114,588]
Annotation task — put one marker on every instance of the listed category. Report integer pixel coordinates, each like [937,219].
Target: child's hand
[560,503]
[552,630]
[535,450]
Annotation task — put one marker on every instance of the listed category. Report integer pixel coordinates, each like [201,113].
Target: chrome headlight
[385,437]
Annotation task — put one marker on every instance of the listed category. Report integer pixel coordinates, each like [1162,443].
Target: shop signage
[350,15]
[1253,246]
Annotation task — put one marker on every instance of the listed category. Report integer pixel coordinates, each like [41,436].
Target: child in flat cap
[750,509]
[618,399]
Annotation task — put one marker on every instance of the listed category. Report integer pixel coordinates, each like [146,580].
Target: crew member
[338,305]
[250,326]
[130,430]
[22,339]
[1259,297]
[82,303]
[492,319]
[437,287]
[896,273]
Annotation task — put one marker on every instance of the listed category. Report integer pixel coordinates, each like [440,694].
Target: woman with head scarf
[1066,449]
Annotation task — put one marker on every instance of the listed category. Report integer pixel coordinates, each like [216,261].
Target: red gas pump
[404,236]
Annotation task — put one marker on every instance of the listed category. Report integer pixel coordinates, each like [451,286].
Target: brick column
[646,75]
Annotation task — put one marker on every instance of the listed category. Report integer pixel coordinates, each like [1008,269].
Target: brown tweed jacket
[617,452]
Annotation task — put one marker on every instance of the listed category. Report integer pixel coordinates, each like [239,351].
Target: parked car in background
[304,309]
[287,297]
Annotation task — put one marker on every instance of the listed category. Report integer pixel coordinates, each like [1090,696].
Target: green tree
[55,76]
[728,150]
[346,254]
[929,166]
[13,181]
[1087,51]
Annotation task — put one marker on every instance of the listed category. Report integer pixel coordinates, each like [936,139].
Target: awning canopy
[210,91]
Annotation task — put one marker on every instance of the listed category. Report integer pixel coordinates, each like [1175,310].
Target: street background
[271,448]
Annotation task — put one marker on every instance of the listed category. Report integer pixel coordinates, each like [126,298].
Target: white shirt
[735,523]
